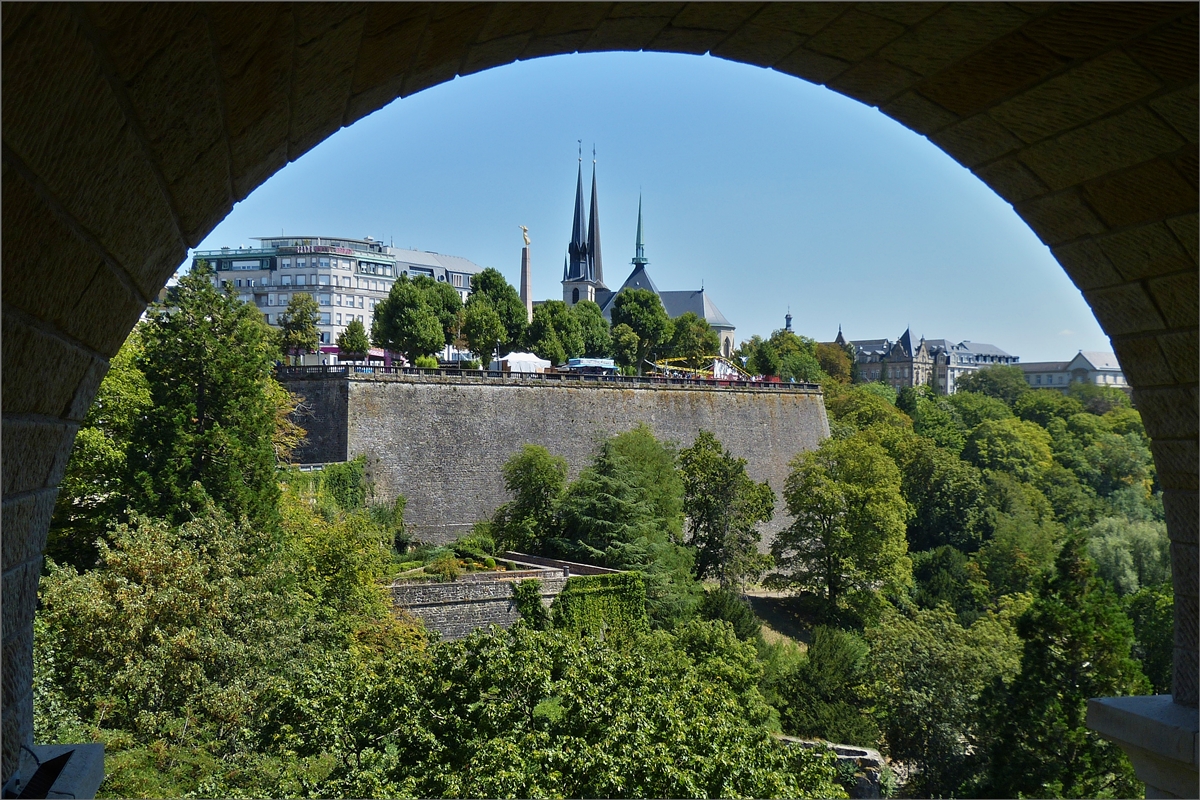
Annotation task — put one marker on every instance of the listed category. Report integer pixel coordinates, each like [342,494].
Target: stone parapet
[458,608]
[1158,735]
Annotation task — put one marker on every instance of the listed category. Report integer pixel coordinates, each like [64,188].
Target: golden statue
[525,233]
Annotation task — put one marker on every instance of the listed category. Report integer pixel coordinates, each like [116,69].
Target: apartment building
[347,277]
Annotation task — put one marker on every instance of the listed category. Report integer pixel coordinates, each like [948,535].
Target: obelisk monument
[526,277]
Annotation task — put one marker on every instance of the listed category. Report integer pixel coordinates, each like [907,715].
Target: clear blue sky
[772,192]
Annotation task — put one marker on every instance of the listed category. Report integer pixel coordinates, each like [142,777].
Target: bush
[527,596]
[826,695]
[723,604]
[446,568]
[425,362]
[346,483]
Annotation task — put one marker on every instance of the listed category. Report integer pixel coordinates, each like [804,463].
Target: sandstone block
[975,140]
[1124,309]
[35,454]
[1178,297]
[25,519]
[1144,193]
[854,35]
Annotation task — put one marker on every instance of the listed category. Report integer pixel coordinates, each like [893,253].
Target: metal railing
[351,370]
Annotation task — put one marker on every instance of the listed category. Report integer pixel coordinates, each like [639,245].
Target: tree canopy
[298,325]
[643,312]
[849,521]
[405,322]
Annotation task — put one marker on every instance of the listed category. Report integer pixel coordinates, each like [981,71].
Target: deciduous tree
[353,344]
[298,325]
[506,301]
[483,330]
[597,337]
[405,323]
[723,507]
[849,521]
[643,311]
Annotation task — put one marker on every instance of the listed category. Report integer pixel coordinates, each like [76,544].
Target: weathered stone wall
[457,608]
[322,413]
[442,441]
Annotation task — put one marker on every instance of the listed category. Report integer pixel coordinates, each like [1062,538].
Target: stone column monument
[526,277]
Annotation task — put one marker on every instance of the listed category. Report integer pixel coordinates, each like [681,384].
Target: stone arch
[131,130]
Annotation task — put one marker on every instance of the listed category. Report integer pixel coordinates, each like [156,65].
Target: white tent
[521,362]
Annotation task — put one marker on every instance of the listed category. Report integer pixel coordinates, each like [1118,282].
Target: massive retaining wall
[441,441]
[457,608]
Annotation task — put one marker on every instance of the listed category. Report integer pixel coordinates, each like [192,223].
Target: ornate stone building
[938,362]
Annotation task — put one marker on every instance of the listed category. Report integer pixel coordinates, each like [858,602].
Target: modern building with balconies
[347,277]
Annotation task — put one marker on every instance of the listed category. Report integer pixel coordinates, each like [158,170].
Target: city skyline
[772,193]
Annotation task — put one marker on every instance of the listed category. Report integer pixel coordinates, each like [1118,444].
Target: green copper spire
[639,257]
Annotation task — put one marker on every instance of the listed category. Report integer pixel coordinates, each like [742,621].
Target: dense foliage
[964,573]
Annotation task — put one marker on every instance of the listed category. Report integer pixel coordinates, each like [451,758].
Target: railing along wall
[352,370]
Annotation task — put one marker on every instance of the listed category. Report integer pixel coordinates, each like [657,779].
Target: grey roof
[456,263]
[1044,366]
[1101,360]
[982,349]
[872,345]
[675,303]
[679,303]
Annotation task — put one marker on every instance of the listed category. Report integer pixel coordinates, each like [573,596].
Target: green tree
[1077,646]
[209,431]
[834,361]
[1005,383]
[848,533]
[643,311]
[174,628]
[491,285]
[945,576]
[555,333]
[853,408]
[802,367]
[445,302]
[729,606]
[723,507]
[827,695]
[1043,405]
[1010,445]
[298,325]
[928,673]
[535,479]
[94,492]
[597,338]
[1151,609]
[555,317]
[764,359]
[693,340]
[353,343]
[483,330]
[973,408]
[625,346]
[1130,554]
[405,323]
[1097,399]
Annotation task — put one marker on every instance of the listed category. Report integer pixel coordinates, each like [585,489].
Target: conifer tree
[1077,646]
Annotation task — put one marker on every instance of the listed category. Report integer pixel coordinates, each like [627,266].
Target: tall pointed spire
[577,250]
[595,263]
[639,253]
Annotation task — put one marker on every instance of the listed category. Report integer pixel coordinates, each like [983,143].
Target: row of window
[350,300]
[326,318]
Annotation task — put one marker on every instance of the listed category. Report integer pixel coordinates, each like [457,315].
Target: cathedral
[583,272]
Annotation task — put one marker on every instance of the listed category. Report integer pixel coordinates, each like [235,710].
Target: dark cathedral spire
[577,250]
[595,264]
[639,247]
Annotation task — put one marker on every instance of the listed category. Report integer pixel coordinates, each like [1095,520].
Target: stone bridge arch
[131,130]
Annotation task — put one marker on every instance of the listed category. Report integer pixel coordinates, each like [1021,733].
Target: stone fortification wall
[322,414]
[457,608]
[441,442]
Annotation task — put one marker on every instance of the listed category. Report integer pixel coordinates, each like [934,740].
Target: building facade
[583,273]
[347,277]
[937,362]
[1101,369]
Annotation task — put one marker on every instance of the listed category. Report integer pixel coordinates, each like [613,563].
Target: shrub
[425,362]
[723,604]
[446,568]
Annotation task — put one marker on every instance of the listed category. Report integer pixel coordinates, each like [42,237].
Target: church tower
[583,270]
